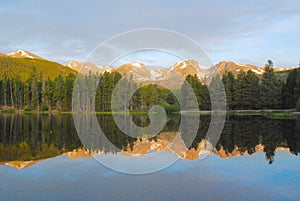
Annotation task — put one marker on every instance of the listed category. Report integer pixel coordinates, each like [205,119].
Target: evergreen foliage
[32,84]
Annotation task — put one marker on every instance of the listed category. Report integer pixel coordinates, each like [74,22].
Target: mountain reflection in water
[27,139]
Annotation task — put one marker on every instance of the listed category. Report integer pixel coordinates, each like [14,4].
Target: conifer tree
[270,90]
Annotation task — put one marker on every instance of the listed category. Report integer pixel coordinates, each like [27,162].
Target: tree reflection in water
[25,137]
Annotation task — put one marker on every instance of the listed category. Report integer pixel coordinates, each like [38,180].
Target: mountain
[23,54]
[169,76]
[21,164]
[24,67]
[2,55]
[235,68]
[139,72]
[277,69]
[24,61]
[86,67]
[75,65]
[187,67]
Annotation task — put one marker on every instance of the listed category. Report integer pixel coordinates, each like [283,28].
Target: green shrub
[27,110]
[44,108]
[8,111]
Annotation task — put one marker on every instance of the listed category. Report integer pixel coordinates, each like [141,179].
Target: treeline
[38,93]
[248,92]
[95,91]
[243,92]
[24,67]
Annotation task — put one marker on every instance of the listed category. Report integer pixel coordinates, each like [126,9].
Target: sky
[241,31]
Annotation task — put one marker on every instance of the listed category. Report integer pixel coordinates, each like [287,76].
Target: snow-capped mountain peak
[74,64]
[181,64]
[23,54]
[238,64]
[137,64]
[86,67]
[142,73]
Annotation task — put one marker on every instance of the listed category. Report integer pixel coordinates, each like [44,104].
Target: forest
[246,91]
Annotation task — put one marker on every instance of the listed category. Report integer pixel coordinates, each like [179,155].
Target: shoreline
[270,113]
[55,112]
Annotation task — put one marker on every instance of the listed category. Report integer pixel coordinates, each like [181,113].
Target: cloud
[71,29]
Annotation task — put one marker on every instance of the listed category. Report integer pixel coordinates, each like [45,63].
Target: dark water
[32,137]
[254,159]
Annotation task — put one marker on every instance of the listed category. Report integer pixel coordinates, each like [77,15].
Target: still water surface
[42,158]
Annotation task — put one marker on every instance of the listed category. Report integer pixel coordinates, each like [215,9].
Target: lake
[43,158]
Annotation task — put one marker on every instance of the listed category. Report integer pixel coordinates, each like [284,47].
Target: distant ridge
[139,72]
[24,68]
[86,67]
[2,55]
[24,54]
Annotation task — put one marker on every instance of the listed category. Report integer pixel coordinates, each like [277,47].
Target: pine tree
[252,90]
[228,81]
[270,90]
[58,92]
[239,91]
[289,97]
[67,92]
[217,93]
[187,93]
[34,90]
[27,94]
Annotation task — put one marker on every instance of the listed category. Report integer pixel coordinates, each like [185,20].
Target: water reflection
[35,137]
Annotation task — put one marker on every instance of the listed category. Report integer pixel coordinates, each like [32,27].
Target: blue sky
[242,31]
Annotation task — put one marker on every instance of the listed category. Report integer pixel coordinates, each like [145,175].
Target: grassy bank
[13,111]
[283,115]
[273,114]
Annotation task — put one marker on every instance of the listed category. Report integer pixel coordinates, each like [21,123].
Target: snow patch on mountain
[155,73]
[74,64]
[141,73]
[180,64]
[137,64]
[238,64]
[23,54]
[86,67]
[257,71]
